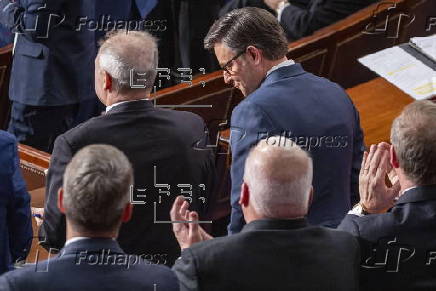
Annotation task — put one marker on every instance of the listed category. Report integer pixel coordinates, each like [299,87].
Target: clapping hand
[185,225]
[375,195]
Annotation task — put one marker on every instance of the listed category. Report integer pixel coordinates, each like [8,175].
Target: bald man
[277,249]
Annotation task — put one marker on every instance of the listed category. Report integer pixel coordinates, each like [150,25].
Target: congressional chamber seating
[331,52]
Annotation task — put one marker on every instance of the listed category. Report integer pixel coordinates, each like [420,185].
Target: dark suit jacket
[56,47]
[319,116]
[91,264]
[272,255]
[150,137]
[398,247]
[303,17]
[52,61]
[15,216]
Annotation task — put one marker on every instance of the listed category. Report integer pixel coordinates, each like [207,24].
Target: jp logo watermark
[388,22]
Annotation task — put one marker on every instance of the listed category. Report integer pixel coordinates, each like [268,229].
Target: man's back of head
[278,174]
[126,66]
[96,191]
[413,137]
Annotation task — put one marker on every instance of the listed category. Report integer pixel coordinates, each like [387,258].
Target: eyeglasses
[226,67]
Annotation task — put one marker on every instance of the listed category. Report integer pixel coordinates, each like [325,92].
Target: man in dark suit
[301,18]
[15,216]
[396,225]
[49,73]
[283,99]
[277,249]
[51,87]
[6,36]
[95,200]
[166,148]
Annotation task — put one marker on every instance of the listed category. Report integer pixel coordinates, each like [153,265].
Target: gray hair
[96,188]
[241,28]
[122,54]
[413,136]
[279,175]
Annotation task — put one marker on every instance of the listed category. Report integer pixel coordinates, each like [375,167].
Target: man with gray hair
[95,201]
[164,146]
[277,249]
[396,223]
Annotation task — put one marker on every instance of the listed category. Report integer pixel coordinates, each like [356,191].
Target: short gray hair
[413,136]
[243,27]
[96,188]
[122,53]
[279,175]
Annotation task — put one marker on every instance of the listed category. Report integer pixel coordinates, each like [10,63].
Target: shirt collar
[405,190]
[282,64]
[275,224]
[108,108]
[76,239]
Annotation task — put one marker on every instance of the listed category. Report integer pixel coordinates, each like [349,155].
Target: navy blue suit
[91,264]
[398,247]
[6,36]
[15,217]
[319,117]
[52,78]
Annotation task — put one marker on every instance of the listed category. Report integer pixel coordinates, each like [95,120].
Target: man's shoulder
[320,235]
[6,138]
[368,225]
[7,143]
[180,115]
[126,269]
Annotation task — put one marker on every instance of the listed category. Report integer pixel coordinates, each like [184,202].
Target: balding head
[126,57]
[278,174]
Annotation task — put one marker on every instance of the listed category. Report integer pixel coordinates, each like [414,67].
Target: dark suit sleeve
[349,225]
[249,123]
[52,231]
[299,21]
[186,272]
[34,20]
[5,284]
[207,172]
[19,215]
[358,149]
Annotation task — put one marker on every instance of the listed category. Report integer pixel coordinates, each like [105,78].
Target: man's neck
[72,233]
[113,99]
[405,182]
[270,64]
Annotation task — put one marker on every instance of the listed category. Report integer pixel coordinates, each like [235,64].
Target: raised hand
[185,225]
[375,195]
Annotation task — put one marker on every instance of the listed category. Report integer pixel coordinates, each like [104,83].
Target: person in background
[15,214]
[301,18]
